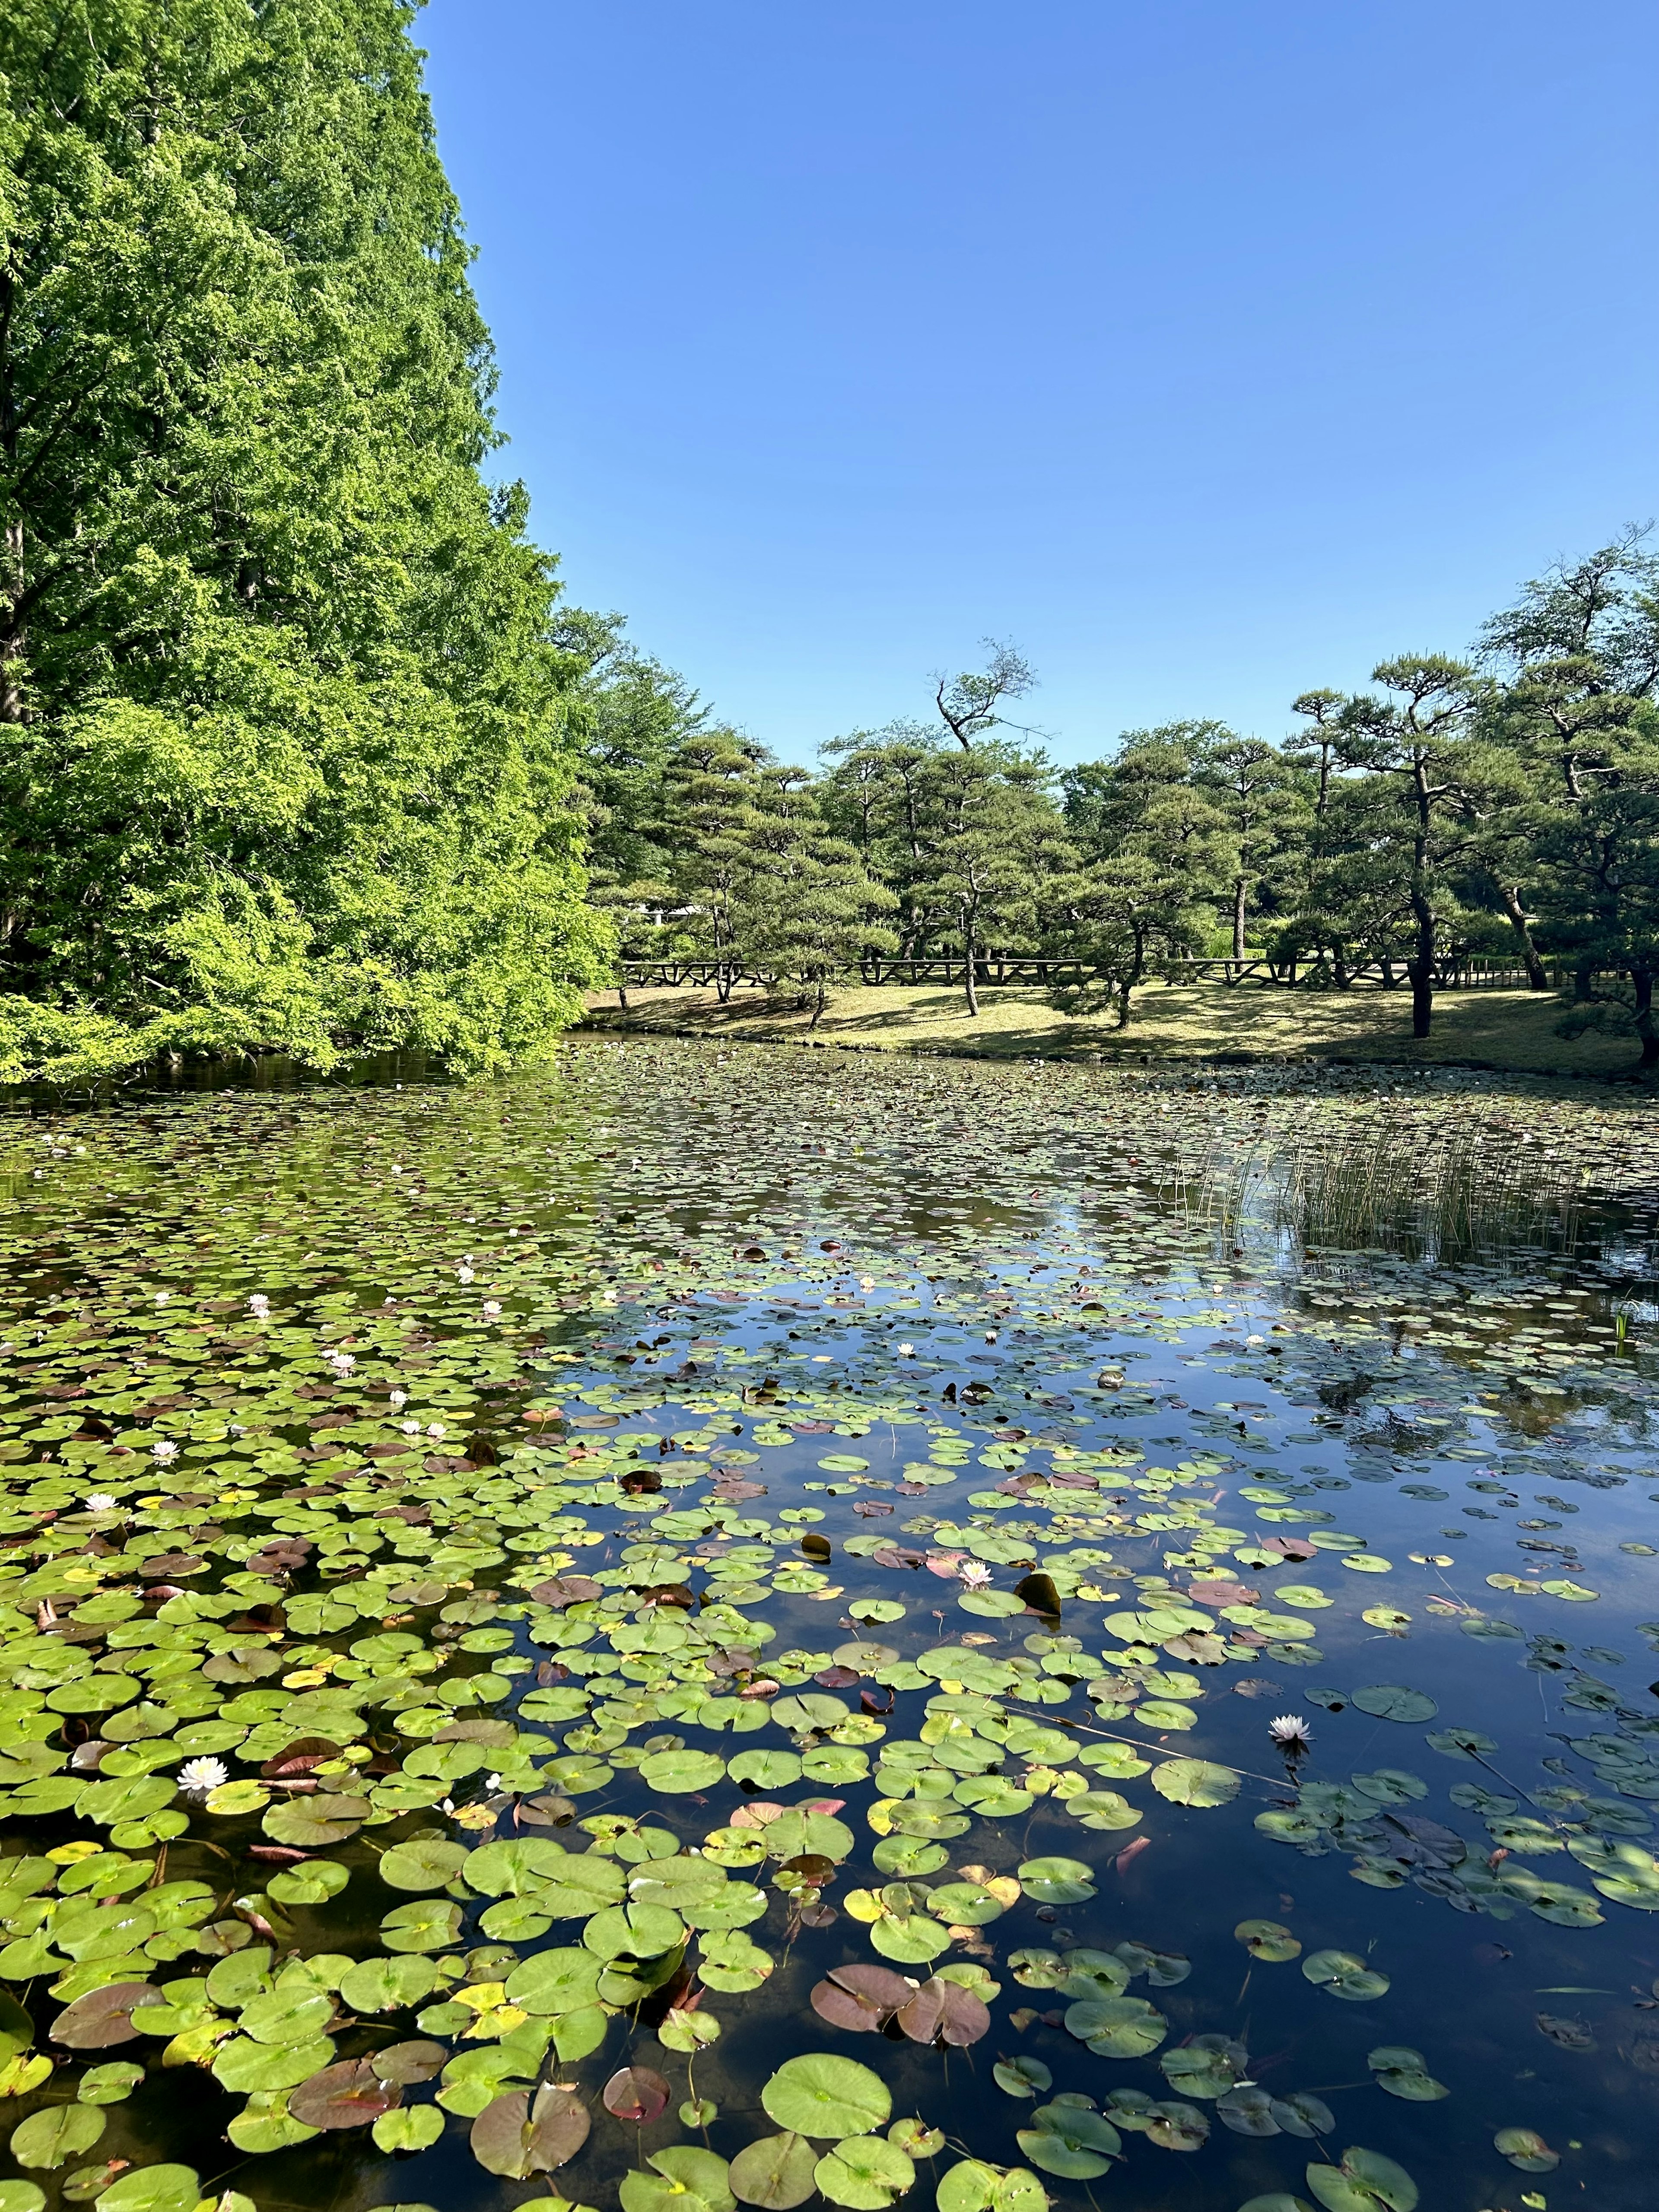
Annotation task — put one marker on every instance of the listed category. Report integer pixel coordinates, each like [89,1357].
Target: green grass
[1509,1029]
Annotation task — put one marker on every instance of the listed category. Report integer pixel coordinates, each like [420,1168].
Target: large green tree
[284,755]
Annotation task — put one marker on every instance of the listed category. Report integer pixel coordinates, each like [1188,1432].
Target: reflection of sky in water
[1076,1265]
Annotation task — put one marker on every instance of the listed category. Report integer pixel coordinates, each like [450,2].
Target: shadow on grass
[1510,1031]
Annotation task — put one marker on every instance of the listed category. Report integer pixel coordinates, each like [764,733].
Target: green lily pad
[1267,1940]
[423,1863]
[821,2095]
[685,2177]
[1388,1701]
[767,1770]
[1364,2182]
[1117,2028]
[776,2172]
[1057,1881]
[864,2172]
[61,2132]
[1345,1974]
[678,1773]
[1195,1782]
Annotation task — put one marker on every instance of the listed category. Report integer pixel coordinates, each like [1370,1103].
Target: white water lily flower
[492,1308]
[341,1362]
[974,1573]
[1291,1732]
[164,1451]
[907,1351]
[398,1398]
[990,1336]
[259,1306]
[434,1429]
[464,1273]
[410,1428]
[196,1776]
[493,1784]
[99,1502]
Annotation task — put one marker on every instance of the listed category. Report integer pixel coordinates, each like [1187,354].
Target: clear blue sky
[1208,350]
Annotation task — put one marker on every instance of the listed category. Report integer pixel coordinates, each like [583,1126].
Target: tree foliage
[1509,801]
[285,732]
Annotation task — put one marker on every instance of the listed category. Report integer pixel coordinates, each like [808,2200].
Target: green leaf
[686,2179]
[313,1882]
[388,1984]
[1388,1701]
[864,2172]
[1345,1975]
[1117,2028]
[152,2188]
[1195,1782]
[1071,2142]
[287,2014]
[47,2138]
[679,1773]
[820,2095]
[1057,1881]
[1268,1940]
[767,1770]
[776,2173]
[408,2127]
[422,1862]
[1364,2182]
[1526,2150]
[245,2064]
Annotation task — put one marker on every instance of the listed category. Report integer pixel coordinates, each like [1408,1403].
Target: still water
[1149,1583]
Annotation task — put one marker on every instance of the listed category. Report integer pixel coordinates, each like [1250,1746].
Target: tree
[629,715]
[284,750]
[809,905]
[1152,856]
[1580,654]
[1256,792]
[717,795]
[1599,876]
[1442,787]
[968,704]
[962,837]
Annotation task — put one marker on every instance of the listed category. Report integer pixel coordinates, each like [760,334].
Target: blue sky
[1209,352]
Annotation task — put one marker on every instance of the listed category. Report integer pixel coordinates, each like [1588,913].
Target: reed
[1441,1188]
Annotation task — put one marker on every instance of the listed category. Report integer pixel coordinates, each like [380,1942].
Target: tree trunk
[1420,970]
[1339,967]
[622,996]
[1581,981]
[817,1006]
[1643,979]
[1510,897]
[13,643]
[1132,976]
[1238,918]
[968,975]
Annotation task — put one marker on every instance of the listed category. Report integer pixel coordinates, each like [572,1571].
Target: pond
[775,1626]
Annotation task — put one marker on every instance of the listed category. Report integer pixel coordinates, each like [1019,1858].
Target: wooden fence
[1051,969]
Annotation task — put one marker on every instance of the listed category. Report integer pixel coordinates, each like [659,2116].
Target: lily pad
[1057,1881]
[1195,1782]
[1345,1974]
[1389,1701]
[818,2094]
[776,2172]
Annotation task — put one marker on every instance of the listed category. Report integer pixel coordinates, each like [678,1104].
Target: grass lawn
[1509,1029]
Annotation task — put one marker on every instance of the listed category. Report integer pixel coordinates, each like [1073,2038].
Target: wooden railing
[1050,970]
